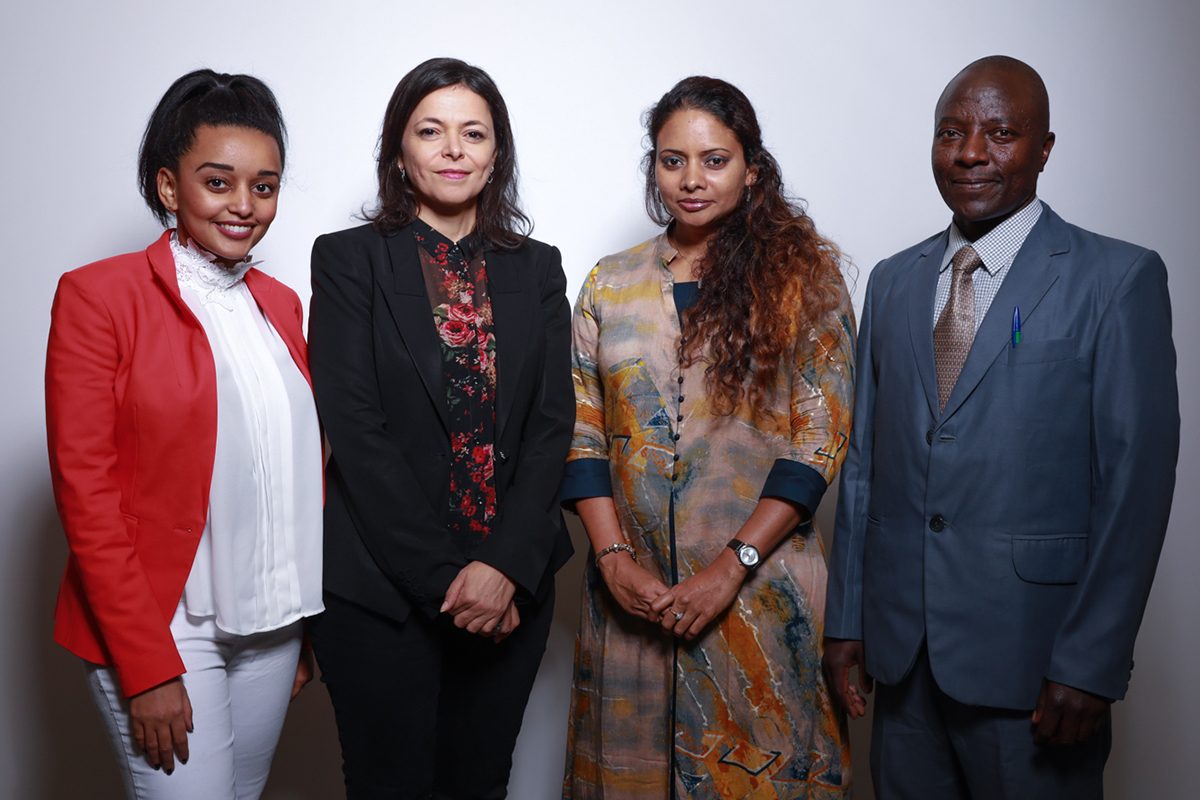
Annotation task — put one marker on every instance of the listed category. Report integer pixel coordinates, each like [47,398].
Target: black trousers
[423,709]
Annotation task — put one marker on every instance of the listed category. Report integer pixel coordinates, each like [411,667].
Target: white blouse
[258,567]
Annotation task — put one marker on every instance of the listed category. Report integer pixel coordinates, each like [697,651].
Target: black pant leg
[384,680]
[485,688]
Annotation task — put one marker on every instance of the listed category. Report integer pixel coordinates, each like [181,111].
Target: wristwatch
[747,553]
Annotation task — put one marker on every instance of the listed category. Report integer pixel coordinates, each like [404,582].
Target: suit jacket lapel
[514,313]
[921,291]
[1031,275]
[409,305]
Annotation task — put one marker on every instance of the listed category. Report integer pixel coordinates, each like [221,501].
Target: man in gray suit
[1009,476]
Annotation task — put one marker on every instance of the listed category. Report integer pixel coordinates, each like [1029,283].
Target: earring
[403,174]
[491,175]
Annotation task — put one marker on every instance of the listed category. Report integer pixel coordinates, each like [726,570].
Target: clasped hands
[480,599]
[684,609]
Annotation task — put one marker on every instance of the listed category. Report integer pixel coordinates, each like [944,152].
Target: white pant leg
[212,772]
[261,670]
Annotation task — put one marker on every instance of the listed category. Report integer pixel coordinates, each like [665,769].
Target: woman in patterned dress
[713,370]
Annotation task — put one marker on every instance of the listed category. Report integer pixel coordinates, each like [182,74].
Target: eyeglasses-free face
[225,190]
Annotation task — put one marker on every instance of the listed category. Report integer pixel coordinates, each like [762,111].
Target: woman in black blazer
[439,348]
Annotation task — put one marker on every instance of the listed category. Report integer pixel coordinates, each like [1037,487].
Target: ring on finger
[678,615]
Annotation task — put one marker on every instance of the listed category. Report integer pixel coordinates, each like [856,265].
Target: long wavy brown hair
[765,275]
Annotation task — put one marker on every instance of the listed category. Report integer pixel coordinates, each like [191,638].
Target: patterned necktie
[955,328]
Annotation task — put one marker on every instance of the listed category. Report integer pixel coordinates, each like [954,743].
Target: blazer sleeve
[82,358]
[843,601]
[400,530]
[1135,441]
[529,520]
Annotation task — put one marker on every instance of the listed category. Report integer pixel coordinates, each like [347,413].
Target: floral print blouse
[456,282]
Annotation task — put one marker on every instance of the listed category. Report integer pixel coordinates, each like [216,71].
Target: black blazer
[377,373]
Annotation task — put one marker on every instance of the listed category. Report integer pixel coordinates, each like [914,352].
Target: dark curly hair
[765,274]
[202,97]
[500,221]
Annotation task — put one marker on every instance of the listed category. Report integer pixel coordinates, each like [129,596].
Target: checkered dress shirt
[997,249]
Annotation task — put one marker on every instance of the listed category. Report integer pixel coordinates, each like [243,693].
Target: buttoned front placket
[674,395]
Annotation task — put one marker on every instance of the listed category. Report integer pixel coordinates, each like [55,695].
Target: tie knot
[966,260]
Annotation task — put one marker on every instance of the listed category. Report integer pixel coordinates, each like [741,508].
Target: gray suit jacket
[1017,531]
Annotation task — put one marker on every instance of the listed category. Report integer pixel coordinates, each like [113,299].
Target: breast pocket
[1043,352]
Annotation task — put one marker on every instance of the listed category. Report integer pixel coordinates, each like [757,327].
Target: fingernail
[168,771]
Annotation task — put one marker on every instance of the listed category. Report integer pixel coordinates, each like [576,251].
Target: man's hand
[1065,715]
[841,656]
[161,719]
[479,598]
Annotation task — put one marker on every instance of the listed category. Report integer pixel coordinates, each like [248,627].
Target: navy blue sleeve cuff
[584,478]
[796,482]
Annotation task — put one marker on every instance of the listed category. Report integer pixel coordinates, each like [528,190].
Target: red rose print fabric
[456,282]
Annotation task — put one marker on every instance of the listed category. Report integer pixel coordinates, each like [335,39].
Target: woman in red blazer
[185,456]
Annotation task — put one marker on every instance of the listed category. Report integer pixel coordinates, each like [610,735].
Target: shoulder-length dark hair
[766,275]
[202,97]
[500,222]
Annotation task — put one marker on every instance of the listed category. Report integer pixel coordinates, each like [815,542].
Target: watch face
[748,555]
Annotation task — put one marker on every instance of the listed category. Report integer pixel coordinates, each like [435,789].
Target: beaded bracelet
[612,548]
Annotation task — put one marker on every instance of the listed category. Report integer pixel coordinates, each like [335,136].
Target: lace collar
[198,270]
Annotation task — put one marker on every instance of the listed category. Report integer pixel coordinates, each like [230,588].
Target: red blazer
[131,419]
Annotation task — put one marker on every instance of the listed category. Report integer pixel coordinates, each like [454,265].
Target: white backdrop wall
[845,92]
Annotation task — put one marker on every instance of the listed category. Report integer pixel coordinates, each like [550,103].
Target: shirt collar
[430,239]
[998,247]
[198,269]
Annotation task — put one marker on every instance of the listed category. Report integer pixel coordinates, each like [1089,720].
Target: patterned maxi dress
[742,711]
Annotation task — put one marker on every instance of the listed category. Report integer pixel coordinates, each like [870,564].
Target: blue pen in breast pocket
[1016,326]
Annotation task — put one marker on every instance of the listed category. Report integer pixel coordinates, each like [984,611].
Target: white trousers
[239,688]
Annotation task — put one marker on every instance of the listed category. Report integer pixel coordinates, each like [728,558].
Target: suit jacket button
[928,437]
[503,456]
[937,523]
